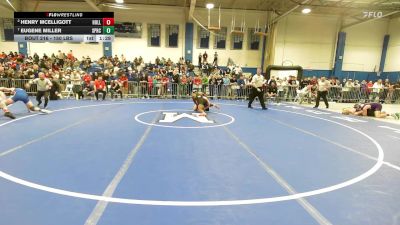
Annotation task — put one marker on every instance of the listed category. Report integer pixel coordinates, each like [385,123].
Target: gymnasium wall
[310,41]
[130,47]
[363,47]
[7,46]
[134,47]
[306,40]
[245,57]
[393,53]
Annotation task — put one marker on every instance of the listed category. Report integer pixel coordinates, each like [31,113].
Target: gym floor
[122,162]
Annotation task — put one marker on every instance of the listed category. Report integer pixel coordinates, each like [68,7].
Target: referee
[256,89]
[43,88]
[323,87]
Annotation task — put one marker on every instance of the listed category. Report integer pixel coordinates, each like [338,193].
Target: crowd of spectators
[162,77]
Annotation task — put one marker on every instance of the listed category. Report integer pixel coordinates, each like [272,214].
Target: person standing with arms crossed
[256,89]
[43,88]
[323,86]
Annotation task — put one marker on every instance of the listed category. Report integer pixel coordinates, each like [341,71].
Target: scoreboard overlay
[64,26]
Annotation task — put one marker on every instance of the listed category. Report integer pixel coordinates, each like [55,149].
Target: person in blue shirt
[18,95]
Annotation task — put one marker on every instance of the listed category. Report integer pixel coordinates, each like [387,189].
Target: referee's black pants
[321,94]
[39,96]
[254,93]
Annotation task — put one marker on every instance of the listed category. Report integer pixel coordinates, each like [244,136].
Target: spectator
[205,57]
[115,89]
[227,86]
[175,83]
[292,87]
[76,82]
[88,90]
[219,83]
[55,89]
[123,81]
[61,58]
[241,86]
[234,86]
[270,80]
[190,84]
[183,85]
[100,87]
[70,55]
[150,85]
[272,91]
[204,83]
[164,87]
[197,83]
[347,90]
[377,88]
[215,62]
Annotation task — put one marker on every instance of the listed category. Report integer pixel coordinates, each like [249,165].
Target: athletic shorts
[374,107]
[20,95]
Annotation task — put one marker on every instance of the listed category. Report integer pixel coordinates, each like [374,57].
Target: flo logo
[372,14]
[183,118]
[171,117]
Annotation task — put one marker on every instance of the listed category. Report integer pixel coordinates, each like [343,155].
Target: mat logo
[171,117]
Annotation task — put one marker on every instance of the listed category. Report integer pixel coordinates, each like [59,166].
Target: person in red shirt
[87,78]
[164,82]
[184,85]
[70,55]
[197,83]
[150,84]
[123,80]
[100,87]
[314,81]
[369,87]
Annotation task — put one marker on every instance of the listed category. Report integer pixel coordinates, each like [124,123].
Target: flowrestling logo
[171,117]
[183,118]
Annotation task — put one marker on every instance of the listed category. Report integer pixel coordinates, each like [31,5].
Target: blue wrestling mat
[156,162]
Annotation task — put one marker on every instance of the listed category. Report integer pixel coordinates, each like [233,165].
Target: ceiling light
[210,5]
[119,1]
[306,10]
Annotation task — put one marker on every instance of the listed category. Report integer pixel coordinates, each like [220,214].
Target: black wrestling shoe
[9,115]
[265,108]
[250,107]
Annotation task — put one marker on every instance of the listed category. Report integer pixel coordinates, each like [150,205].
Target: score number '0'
[108,21]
